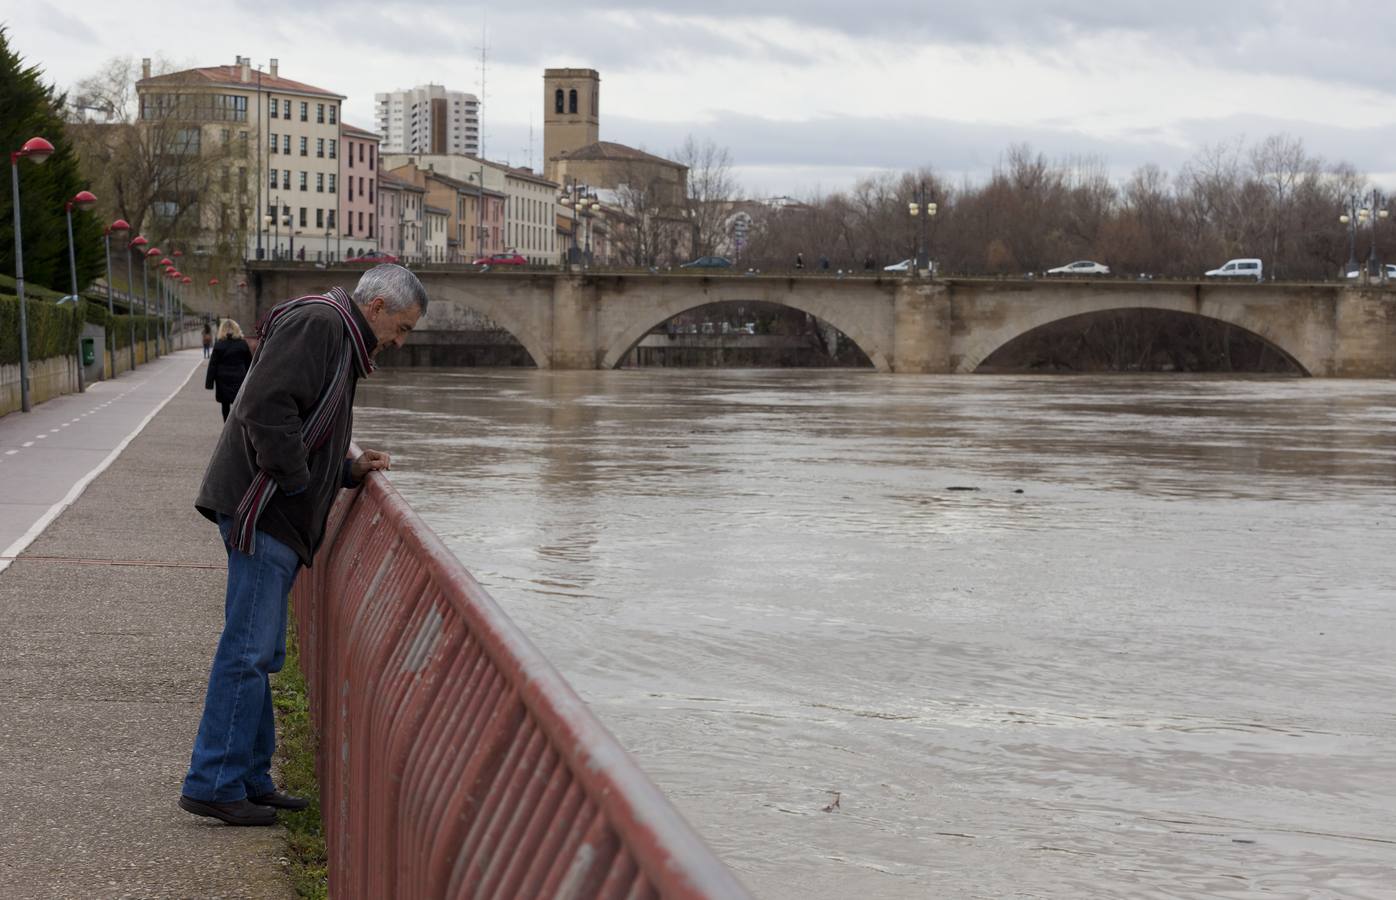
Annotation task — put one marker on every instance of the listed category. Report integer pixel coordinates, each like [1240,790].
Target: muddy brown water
[1041,637]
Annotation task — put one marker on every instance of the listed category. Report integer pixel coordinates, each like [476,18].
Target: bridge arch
[866,325]
[452,300]
[987,341]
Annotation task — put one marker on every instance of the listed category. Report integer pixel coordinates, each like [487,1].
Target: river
[1038,636]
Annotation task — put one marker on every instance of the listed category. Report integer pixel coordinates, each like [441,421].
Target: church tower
[571,113]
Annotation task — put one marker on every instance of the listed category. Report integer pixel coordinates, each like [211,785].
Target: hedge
[53,330]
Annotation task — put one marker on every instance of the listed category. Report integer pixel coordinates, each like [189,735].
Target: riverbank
[112,613]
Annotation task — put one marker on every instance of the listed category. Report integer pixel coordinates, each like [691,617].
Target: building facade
[475,216]
[401,208]
[571,113]
[428,119]
[358,199]
[277,140]
[437,223]
[530,199]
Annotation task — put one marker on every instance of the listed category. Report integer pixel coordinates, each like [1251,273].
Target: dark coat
[293,368]
[227,367]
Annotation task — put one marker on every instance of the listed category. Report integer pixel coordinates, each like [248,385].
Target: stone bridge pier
[589,321]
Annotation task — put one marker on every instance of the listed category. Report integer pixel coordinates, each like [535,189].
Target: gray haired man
[278,464]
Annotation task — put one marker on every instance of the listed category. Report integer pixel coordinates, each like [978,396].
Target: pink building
[358,192]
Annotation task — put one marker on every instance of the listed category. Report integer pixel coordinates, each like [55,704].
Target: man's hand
[369,461]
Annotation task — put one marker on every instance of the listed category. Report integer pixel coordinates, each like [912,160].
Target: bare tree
[712,188]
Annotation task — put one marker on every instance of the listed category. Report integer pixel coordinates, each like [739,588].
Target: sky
[810,96]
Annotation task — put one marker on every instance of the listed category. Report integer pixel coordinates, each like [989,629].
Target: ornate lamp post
[583,201]
[82,200]
[38,150]
[923,208]
[137,243]
[120,225]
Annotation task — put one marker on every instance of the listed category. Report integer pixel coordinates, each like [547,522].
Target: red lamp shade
[212,282]
[153,251]
[119,225]
[37,149]
[84,200]
[177,253]
[186,280]
[139,241]
[166,262]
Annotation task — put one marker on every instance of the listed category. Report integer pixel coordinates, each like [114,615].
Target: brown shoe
[237,812]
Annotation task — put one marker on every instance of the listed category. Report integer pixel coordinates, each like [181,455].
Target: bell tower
[571,113]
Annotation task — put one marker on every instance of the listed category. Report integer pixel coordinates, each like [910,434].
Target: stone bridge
[588,321]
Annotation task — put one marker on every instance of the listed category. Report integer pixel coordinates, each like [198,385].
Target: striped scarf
[315,429]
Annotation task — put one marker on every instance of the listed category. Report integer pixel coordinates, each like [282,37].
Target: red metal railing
[454,760]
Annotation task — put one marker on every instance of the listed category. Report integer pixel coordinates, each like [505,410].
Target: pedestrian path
[111,612]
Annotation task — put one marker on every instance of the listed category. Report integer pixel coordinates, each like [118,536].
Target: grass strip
[295,751]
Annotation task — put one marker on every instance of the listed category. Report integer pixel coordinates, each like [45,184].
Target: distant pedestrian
[227,365]
[799,262]
[208,340]
[275,471]
[869,263]
[823,263]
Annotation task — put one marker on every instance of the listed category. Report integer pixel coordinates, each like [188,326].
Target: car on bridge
[1388,272]
[1081,267]
[708,262]
[377,257]
[501,259]
[1239,268]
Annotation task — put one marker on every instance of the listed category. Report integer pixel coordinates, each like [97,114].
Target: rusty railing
[454,759]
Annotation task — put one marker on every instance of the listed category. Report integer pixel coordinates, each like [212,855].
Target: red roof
[231,76]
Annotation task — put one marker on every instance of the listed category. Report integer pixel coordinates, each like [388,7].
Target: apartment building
[358,201]
[401,212]
[530,199]
[475,216]
[253,122]
[437,222]
[428,119]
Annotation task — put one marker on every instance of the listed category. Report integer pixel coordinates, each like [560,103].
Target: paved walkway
[103,667]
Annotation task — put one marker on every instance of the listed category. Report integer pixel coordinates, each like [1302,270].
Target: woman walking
[228,364]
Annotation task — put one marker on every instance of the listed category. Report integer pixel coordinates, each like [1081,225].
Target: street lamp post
[38,150]
[1349,218]
[174,312]
[123,226]
[137,243]
[1377,213]
[82,200]
[582,200]
[922,207]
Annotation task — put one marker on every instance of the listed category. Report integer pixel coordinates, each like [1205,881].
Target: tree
[28,109]
[711,189]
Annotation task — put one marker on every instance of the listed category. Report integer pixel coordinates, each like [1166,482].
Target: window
[305,111]
[226,135]
[361,185]
[320,113]
[557,100]
[286,144]
[271,182]
[349,154]
[370,158]
[572,100]
[350,182]
[305,146]
[302,216]
[319,182]
[273,142]
[226,181]
[320,147]
[334,145]
[370,224]
[305,180]
[370,192]
[329,219]
[332,182]
[272,107]
[361,152]
[334,118]
[285,179]
[286,110]
[361,220]
[319,218]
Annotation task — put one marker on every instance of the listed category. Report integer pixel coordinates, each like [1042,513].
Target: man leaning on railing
[278,464]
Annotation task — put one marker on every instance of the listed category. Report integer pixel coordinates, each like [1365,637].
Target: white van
[1239,268]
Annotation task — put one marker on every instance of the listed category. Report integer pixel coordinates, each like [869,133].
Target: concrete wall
[48,378]
[588,321]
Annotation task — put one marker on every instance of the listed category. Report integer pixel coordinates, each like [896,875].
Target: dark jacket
[292,370]
[227,367]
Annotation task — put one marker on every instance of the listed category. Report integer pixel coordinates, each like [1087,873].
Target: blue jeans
[237,734]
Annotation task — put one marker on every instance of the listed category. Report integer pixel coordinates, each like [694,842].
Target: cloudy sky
[810,95]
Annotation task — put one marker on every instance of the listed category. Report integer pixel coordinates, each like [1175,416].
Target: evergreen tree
[29,109]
